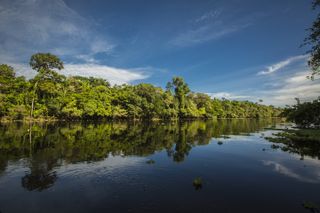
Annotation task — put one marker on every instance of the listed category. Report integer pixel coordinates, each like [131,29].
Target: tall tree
[45,64]
[314,40]
[181,89]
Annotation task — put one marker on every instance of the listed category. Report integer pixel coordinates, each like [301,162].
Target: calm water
[149,167]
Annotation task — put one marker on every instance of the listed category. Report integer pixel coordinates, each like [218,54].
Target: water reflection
[46,146]
[151,167]
[301,146]
[281,168]
[38,180]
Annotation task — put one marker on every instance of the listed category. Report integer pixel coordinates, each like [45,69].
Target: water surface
[149,167]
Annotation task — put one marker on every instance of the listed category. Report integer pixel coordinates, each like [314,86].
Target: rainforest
[50,95]
[159,106]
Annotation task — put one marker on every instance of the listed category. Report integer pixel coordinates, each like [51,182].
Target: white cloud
[22,70]
[87,58]
[227,95]
[297,86]
[209,26]
[277,66]
[291,86]
[113,75]
[29,26]
[279,89]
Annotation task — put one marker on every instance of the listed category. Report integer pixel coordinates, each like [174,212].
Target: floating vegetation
[272,128]
[301,135]
[197,183]
[273,146]
[311,206]
[150,161]
[220,142]
[246,134]
[305,142]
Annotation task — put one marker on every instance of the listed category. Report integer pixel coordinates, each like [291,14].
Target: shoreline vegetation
[53,119]
[49,96]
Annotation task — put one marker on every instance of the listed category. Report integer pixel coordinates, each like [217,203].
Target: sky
[234,49]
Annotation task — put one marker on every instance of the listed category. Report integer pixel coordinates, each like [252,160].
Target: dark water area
[150,167]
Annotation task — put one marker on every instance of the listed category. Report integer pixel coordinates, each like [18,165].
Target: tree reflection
[38,180]
[45,146]
[182,148]
[293,141]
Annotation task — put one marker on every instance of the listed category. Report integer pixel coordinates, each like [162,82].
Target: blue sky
[237,49]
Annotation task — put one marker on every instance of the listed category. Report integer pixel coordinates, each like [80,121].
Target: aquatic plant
[310,206]
[305,142]
[197,183]
[273,146]
[150,161]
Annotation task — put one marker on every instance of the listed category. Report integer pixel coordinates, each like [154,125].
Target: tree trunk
[32,106]
[33,97]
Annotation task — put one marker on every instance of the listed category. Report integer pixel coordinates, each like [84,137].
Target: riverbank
[7,119]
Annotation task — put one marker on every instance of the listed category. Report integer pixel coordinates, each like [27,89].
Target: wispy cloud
[279,89]
[227,95]
[212,14]
[294,86]
[209,26]
[279,65]
[203,34]
[29,26]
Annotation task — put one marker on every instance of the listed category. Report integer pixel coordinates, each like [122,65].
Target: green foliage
[310,206]
[197,183]
[51,95]
[314,40]
[45,83]
[181,89]
[13,93]
[45,62]
[305,114]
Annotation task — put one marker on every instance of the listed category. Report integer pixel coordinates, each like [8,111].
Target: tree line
[52,95]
